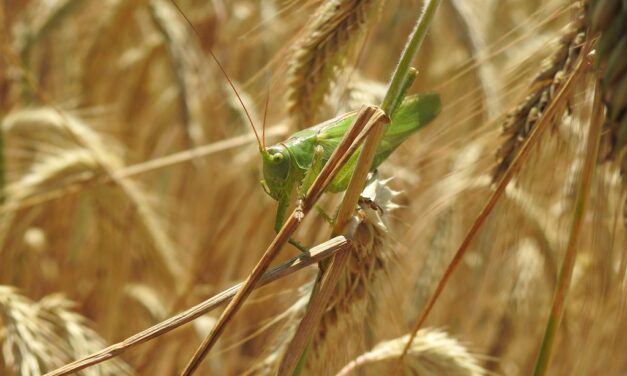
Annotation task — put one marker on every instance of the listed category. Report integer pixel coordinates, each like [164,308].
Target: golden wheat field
[131,196]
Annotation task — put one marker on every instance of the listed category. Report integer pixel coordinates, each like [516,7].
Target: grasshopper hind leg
[310,176]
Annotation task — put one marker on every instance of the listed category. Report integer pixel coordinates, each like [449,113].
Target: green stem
[566,271]
[395,92]
[408,80]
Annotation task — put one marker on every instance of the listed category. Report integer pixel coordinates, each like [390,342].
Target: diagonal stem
[394,95]
[522,156]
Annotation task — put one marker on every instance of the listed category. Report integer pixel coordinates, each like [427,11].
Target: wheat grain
[30,345]
[81,339]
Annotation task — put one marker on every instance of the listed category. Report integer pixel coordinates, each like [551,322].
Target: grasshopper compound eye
[276,154]
[277,158]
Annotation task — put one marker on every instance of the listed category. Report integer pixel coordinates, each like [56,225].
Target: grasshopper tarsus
[300,210]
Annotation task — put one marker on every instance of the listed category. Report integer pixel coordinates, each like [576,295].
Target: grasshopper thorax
[276,170]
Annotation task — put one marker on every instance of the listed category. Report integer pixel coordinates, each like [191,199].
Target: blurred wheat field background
[131,187]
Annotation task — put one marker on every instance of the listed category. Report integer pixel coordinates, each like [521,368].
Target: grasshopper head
[276,170]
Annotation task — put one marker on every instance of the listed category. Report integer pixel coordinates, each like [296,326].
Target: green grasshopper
[295,162]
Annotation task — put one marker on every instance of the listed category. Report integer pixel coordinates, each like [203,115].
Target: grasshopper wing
[415,112]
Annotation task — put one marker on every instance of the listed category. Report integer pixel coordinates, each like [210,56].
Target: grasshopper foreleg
[310,176]
[283,204]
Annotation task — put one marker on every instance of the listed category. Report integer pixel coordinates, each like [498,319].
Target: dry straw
[337,244]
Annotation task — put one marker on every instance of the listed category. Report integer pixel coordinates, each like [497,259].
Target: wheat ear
[556,71]
[358,287]
[320,52]
[432,353]
[39,336]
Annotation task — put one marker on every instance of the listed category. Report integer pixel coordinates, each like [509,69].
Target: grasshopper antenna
[228,79]
[265,114]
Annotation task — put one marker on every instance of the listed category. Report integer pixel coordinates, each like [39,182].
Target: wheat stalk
[402,79]
[549,116]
